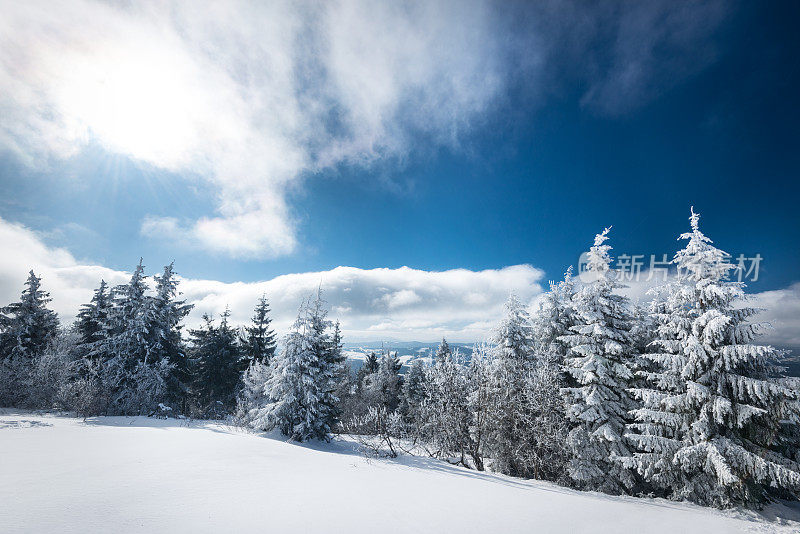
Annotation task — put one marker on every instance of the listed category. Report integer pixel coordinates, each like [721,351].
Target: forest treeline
[587,390]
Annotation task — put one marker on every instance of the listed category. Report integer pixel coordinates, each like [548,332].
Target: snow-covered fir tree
[328,348]
[713,408]
[216,360]
[413,391]
[553,318]
[446,417]
[133,375]
[443,351]
[27,326]
[512,362]
[369,367]
[128,335]
[260,339]
[384,386]
[165,337]
[599,360]
[92,322]
[299,392]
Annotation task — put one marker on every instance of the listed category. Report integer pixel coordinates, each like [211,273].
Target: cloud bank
[372,304]
[251,96]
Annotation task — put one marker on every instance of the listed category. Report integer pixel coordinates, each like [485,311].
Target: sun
[138,103]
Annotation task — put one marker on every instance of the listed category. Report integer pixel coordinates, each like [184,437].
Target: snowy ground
[116,474]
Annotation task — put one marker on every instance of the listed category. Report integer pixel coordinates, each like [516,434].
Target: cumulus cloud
[404,303]
[250,96]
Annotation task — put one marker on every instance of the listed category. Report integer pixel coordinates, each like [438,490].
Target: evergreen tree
[369,367]
[511,366]
[443,351]
[384,386]
[127,338]
[92,323]
[413,391]
[27,326]
[300,399]
[27,329]
[331,361]
[260,338]
[713,407]
[599,360]
[446,418]
[133,375]
[553,318]
[165,334]
[370,364]
[216,361]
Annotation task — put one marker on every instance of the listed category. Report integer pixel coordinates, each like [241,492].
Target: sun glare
[137,104]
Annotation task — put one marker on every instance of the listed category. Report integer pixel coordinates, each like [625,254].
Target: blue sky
[425,135]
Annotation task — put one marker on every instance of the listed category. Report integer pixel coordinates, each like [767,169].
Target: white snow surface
[119,474]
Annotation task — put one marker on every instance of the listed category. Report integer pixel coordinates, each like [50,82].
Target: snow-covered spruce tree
[553,318]
[299,390]
[328,348]
[599,360]
[643,333]
[384,387]
[259,337]
[27,328]
[133,375]
[413,392]
[127,338]
[443,351]
[253,394]
[369,367]
[92,322]
[712,415]
[165,336]
[512,362]
[446,416]
[216,361]
[479,401]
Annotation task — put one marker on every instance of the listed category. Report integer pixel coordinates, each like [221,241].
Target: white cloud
[69,282]
[782,310]
[404,303]
[250,96]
